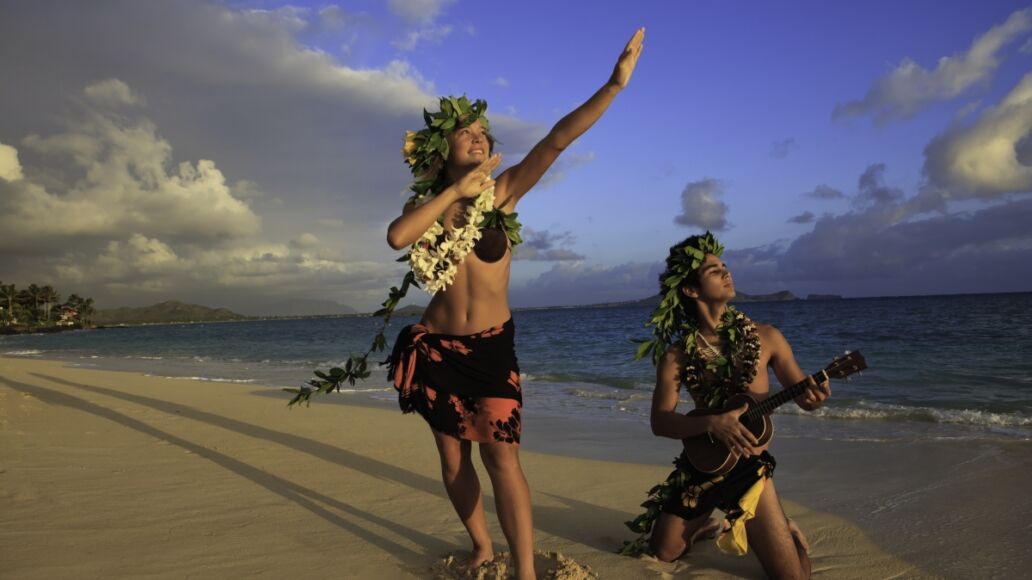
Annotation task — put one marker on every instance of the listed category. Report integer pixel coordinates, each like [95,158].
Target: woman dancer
[457,367]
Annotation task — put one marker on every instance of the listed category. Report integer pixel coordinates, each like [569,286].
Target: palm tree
[49,296]
[86,312]
[8,292]
[29,299]
[75,303]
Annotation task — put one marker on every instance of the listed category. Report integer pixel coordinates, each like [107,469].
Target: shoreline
[230,485]
[844,420]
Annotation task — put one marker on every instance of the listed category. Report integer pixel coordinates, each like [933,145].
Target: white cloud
[429,33]
[910,87]
[332,223]
[111,92]
[500,82]
[332,18]
[992,156]
[803,218]
[877,244]
[542,245]
[566,163]
[245,275]
[701,207]
[580,283]
[305,241]
[138,255]
[235,86]
[418,10]
[825,192]
[122,184]
[10,168]
[256,118]
[872,189]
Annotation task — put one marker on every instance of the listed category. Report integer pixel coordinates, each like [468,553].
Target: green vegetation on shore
[39,309]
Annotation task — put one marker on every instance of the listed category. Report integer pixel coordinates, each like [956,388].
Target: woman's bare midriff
[477,300]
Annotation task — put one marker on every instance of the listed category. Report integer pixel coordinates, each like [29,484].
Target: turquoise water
[940,367]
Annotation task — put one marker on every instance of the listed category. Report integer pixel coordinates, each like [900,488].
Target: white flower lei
[435,263]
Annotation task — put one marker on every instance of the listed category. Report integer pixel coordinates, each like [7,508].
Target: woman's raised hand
[628,59]
[478,179]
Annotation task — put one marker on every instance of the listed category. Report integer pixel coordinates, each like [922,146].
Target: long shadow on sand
[598,526]
[302,496]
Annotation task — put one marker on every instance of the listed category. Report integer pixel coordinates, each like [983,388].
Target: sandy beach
[110,474]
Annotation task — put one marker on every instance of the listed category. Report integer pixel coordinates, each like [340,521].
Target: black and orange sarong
[466,386]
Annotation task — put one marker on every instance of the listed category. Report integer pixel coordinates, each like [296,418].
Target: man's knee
[667,553]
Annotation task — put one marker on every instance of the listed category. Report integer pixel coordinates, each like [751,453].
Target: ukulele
[711,456]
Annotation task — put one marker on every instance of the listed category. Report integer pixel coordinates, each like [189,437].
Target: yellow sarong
[733,539]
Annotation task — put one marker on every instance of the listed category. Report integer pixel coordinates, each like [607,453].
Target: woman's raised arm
[518,179]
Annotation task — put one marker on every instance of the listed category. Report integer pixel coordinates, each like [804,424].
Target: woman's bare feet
[480,555]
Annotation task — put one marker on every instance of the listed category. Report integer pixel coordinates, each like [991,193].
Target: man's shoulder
[764,329]
[771,338]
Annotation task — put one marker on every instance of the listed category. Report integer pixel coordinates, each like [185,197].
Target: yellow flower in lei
[408,151]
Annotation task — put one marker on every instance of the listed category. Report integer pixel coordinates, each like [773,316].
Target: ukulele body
[710,455]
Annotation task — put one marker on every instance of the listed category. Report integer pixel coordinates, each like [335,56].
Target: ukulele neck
[767,406]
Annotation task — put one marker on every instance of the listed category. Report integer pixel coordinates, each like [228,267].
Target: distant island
[783,296]
[410,310]
[173,311]
[165,312]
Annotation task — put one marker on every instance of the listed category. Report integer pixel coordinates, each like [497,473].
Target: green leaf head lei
[711,376]
[674,310]
[426,150]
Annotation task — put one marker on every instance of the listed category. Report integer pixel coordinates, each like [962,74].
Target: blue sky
[913,120]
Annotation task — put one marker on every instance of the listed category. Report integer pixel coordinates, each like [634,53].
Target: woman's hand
[479,179]
[628,59]
[731,432]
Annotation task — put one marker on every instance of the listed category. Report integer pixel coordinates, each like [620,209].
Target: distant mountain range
[175,311]
[782,296]
[171,311]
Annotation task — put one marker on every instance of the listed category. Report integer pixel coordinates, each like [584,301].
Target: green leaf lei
[425,151]
[710,380]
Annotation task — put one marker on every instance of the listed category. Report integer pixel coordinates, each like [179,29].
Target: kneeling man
[714,351]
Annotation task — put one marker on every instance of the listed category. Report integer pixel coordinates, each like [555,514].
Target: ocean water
[940,367]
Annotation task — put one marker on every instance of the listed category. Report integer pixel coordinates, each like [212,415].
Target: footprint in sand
[549,565]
